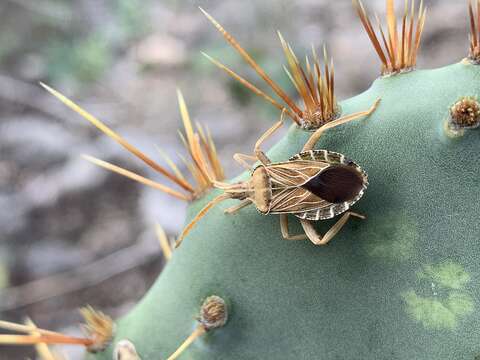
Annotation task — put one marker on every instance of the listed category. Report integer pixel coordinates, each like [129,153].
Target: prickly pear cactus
[402,284]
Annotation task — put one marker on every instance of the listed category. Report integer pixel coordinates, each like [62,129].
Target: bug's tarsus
[310,145]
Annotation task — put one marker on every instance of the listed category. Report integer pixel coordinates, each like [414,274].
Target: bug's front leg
[319,132]
[284,229]
[318,239]
[258,152]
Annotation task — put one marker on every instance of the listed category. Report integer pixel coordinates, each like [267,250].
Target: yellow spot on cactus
[436,314]
[429,311]
[442,310]
[447,275]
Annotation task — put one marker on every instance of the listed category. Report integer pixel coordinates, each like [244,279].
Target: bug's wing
[305,205]
[324,212]
[288,197]
[287,178]
[304,166]
[326,156]
[293,173]
[295,200]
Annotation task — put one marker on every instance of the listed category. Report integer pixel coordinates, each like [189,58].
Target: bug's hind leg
[234,209]
[319,132]
[317,239]
[284,228]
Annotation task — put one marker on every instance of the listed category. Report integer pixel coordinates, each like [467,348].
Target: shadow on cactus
[402,284]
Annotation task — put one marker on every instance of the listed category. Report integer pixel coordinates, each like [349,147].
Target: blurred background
[72,234]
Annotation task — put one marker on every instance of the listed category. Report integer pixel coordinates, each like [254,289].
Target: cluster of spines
[315,87]
[203,165]
[474,16]
[464,115]
[397,49]
[98,328]
[213,315]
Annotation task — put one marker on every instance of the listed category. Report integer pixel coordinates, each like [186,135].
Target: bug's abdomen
[262,189]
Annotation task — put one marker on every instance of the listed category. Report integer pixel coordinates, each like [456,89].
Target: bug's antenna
[201,214]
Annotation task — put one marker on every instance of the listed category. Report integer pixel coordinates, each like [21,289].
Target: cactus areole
[403,284]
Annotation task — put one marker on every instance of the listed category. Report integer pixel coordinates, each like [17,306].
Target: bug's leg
[317,239]
[284,229]
[234,209]
[242,160]
[319,132]
[259,153]
[201,214]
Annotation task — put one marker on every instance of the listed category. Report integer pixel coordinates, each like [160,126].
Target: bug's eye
[336,184]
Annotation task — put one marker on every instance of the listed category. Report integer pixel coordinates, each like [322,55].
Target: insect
[312,185]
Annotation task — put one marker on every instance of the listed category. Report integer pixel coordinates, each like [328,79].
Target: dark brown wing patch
[336,184]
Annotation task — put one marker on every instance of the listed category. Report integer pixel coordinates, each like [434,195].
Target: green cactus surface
[402,284]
